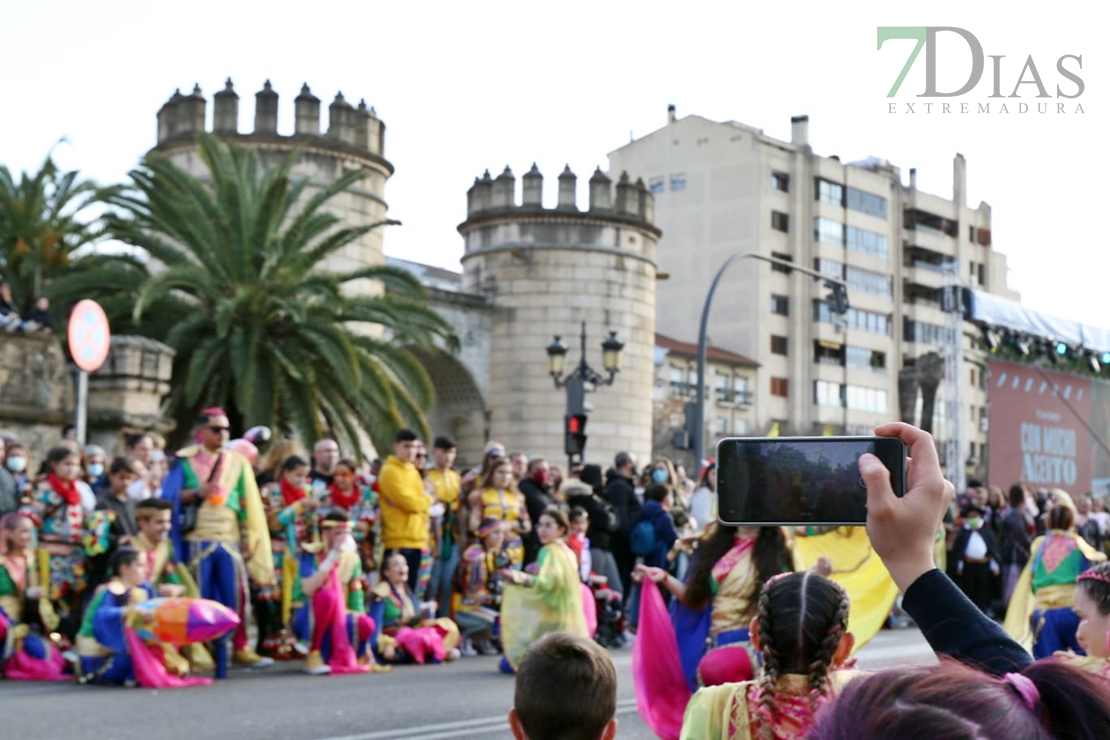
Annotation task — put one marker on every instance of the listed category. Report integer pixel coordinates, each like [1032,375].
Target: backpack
[642,538]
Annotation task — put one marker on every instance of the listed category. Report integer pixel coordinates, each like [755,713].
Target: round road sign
[88,335]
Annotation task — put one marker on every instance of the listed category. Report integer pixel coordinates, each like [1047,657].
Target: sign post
[89,339]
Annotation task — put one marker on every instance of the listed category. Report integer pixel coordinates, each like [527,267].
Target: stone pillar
[601,193]
[307,107]
[504,189]
[265,110]
[568,183]
[532,196]
[225,106]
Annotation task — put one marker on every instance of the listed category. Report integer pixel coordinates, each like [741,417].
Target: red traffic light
[574,425]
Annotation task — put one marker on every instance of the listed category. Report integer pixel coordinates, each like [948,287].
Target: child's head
[64,463]
[579,520]
[17,531]
[801,628]
[121,474]
[395,569]
[129,566]
[951,701]
[155,518]
[346,473]
[492,534]
[566,689]
[657,492]
[1092,604]
[294,471]
[553,525]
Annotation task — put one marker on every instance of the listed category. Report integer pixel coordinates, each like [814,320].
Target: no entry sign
[88,335]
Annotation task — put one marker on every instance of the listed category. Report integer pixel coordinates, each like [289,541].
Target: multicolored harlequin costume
[1040,615]
[26,656]
[477,601]
[229,545]
[549,601]
[293,524]
[363,508]
[65,526]
[399,624]
[334,620]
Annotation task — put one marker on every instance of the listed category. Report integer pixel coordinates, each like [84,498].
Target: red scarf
[344,500]
[291,494]
[67,489]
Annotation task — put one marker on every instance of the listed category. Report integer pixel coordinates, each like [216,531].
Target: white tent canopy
[1003,313]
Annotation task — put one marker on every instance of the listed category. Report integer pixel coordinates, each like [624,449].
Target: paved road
[463,700]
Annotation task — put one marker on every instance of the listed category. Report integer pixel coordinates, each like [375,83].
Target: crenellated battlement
[497,196]
[184,116]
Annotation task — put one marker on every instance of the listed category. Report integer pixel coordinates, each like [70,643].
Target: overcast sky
[463,87]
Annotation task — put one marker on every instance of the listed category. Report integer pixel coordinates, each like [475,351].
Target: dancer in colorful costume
[1092,607]
[26,656]
[62,510]
[405,628]
[478,598]
[352,495]
[709,621]
[500,499]
[109,646]
[221,528]
[550,600]
[802,632]
[333,619]
[1040,615]
[293,518]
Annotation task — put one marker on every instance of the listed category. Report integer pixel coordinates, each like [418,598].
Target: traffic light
[838,298]
[576,434]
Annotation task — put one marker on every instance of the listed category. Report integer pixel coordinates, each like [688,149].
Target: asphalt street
[467,699]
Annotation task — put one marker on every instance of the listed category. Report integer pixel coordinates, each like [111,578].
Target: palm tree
[239,293]
[43,221]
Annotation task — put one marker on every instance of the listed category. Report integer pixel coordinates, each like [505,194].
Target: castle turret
[191,112]
[167,117]
[601,195]
[551,270]
[307,108]
[265,110]
[568,186]
[627,202]
[341,121]
[646,209]
[504,189]
[225,111]
[532,188]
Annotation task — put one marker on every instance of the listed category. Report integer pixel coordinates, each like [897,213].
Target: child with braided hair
[1092,607]
[802,630]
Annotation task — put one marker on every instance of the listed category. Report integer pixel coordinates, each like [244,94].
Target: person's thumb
[877,479]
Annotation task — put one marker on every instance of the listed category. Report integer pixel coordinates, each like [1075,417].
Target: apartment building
[726,187]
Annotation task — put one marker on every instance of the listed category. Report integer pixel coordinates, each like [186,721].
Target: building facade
[725,187]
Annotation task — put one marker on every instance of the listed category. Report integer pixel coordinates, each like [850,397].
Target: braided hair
[802,618]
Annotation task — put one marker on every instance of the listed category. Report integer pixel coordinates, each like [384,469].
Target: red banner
[1039,428]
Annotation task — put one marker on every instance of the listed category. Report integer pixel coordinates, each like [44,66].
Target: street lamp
[579,381]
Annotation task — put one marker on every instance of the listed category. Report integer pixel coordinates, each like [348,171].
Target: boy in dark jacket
[656,512]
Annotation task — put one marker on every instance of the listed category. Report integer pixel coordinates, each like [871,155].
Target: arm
[311,583]
[955,627]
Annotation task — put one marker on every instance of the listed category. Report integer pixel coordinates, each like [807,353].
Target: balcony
[680,389]
[924,274]
[730,397]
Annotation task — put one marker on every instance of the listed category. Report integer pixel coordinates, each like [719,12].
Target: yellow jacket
[405,504]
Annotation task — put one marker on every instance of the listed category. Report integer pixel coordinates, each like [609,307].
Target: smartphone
[800,481]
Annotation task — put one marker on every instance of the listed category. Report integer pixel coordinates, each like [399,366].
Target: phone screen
[800,480]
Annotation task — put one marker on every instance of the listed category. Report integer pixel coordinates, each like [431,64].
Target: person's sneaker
[485,647]
[250,659]
[69,656]
[467,648]
[301,647]
[314,665]
[454,654]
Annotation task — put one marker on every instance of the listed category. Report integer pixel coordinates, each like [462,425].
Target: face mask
[541,477]
[96,470]
[17,464]
[975,523]
[659,476]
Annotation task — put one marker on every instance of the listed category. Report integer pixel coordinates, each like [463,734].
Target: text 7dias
[927,36]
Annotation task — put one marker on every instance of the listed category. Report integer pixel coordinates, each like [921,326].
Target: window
[973,383]
[828,231]
[722,426]
[678,382]
[982,274]
[830,192]
[724,388]
[780,304]
[678,182]
[923,333]
[872,400]
[829,267]
[865,359]
[873,205]
[778,345]
[785,258]
[778,387]
[780,221]
[828,353]
[827,393]
[971,234]
[740,427]
[657,185]
[876,283]
[780,181]
[740,388]
[866,242]
[869,321]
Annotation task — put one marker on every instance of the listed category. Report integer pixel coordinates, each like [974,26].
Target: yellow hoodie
[405,504]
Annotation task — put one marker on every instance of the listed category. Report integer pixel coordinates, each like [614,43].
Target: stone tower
[547,270]
[354,139]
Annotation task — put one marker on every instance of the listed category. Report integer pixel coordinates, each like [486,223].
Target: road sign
[88,335]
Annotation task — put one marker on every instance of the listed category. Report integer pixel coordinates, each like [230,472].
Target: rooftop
[687,349]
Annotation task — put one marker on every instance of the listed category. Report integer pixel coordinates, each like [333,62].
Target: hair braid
[822,661]
[770,666]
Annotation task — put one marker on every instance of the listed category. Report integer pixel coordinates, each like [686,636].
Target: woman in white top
[703,504]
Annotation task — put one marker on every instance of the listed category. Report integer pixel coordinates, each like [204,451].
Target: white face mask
[16,464]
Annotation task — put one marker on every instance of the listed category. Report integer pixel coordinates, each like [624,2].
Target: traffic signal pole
[838,300]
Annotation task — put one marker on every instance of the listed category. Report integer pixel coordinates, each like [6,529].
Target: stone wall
[36,391]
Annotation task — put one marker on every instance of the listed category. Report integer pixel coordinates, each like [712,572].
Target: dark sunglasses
[220,430]
[422,454]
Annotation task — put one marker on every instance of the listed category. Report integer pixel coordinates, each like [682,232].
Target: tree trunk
[907,395]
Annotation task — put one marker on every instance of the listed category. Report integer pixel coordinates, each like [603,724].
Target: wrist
[905,572]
